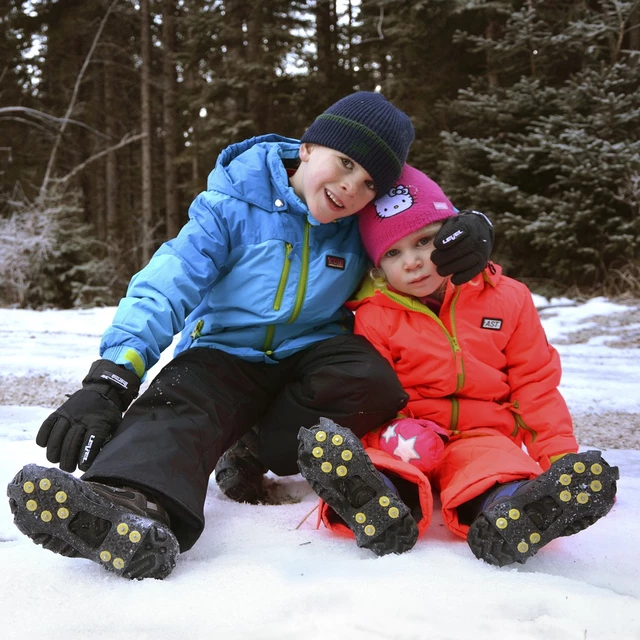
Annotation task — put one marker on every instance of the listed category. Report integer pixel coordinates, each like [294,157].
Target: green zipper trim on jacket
[415,305]
[301,291]
[455,414]
[282,283]
[521,424]
[304,276]
[197,331]
[284,276]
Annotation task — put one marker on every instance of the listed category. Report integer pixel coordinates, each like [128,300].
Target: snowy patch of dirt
[622,330]
[608,430]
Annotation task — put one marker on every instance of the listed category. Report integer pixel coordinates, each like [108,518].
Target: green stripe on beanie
[366,131]
[370,130]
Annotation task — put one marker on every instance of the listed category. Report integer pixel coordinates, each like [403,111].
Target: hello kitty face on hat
[395,201]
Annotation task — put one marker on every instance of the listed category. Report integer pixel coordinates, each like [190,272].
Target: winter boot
[116,527]
[239,473]
[332,460]
[517,519]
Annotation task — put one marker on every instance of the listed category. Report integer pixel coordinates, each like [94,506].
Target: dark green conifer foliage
[552,151]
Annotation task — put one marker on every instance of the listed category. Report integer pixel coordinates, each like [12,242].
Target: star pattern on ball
[406,449]
[389,432]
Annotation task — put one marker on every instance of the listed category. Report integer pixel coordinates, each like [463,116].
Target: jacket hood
[378,292]
[253,171]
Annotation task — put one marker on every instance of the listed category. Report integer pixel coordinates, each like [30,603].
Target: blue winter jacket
[251,273]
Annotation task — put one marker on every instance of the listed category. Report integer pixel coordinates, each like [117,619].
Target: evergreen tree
[408,51]
[552,150]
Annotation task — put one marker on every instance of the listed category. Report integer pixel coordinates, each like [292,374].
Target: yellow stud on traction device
[565,479]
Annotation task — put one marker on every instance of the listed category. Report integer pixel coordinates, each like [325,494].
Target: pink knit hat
[412,203]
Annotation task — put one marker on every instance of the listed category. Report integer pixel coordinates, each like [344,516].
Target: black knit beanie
[366,127]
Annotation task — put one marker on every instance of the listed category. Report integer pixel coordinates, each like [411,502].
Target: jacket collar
[378,292]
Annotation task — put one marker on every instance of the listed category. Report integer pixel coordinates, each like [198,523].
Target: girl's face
[407,263]
[331,184]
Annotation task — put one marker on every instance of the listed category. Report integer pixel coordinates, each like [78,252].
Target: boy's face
[330,183]
[407,263]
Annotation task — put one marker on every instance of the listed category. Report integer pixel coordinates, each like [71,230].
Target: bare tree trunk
[634,30]
[72,103]
[191,81]
[111,193]
[145,125]
[326,34]
[172,215]
[492,74]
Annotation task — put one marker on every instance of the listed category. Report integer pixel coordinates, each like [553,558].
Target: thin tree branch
[30,123]
[72,103]
[123,143]
[45,117]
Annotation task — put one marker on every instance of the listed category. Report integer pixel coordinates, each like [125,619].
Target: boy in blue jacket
[255,281]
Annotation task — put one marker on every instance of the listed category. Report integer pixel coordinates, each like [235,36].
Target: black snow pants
[204,400]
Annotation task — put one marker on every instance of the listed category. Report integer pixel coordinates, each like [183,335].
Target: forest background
[112,113]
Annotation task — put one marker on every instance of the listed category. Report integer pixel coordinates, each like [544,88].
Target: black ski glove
[463,246]
[75,433]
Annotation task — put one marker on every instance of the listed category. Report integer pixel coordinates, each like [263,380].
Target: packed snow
[267,573]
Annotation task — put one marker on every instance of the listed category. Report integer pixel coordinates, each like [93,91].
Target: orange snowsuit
[482,369]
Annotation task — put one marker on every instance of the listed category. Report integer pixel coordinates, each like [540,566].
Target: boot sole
[575,492]
[62,514]
[328,453]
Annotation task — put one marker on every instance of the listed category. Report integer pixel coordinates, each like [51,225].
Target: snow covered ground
[266,573]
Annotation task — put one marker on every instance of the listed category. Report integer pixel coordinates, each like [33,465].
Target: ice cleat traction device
[570,496]
[62,514]
[333,461]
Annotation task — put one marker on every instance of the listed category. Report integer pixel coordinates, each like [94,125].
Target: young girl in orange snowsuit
[482,382]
